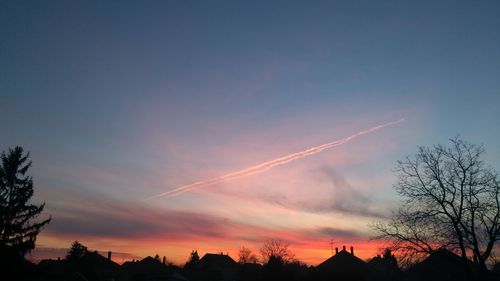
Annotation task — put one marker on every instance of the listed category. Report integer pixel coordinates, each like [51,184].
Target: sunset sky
[119,101]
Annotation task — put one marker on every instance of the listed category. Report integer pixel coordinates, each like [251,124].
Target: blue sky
[124,99]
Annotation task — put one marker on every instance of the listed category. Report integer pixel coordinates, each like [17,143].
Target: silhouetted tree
[246,256]
[389,258]
[193,259]
[76,251]
[385,267]
[451,200]
[273,268]
[18,228]
[278,250]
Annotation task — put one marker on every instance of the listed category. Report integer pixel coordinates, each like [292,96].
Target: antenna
[331,245]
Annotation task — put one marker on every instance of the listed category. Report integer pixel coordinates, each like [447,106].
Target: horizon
[121,258]
[171,126]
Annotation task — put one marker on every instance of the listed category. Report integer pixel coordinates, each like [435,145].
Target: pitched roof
[91,266]
[147,266]
[342,259]
[217,261]
[98,262]
[438,265]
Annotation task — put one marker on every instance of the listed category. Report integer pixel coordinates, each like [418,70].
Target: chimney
[109,255]
[336,250]
[164,260]
[352,250]
[343,248]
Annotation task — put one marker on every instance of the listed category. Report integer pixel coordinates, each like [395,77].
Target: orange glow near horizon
[309,252]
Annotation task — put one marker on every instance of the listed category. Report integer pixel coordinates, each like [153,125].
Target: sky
[119,101]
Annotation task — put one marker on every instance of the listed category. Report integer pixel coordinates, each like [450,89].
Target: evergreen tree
[76,251]
[18,228]
[193,259]
[390,259]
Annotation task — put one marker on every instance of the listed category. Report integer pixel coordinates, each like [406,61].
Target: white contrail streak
[269,164]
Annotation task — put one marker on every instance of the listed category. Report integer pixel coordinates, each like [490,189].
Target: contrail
[269,164]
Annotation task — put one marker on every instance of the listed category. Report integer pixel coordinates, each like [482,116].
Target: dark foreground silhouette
[343,265]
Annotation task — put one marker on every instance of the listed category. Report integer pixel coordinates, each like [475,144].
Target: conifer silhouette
[18,228]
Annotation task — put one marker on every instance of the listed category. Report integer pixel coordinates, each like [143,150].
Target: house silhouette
[91,266]
[147,269]
[214,267]
[343,265]
[217,261]
[441,265]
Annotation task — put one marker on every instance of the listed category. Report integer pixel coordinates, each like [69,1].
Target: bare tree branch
[451,200]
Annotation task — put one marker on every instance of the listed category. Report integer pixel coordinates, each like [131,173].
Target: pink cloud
[143,230]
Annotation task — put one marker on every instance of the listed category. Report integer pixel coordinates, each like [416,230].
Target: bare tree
[451,200]
[276,249]
[246,256]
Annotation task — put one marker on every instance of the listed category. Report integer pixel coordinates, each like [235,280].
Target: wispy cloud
[343,198]
[120,220]
[263,167]
[136,228]
[326,192]
[340,233]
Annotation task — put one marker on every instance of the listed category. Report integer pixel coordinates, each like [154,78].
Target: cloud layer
[101,223]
